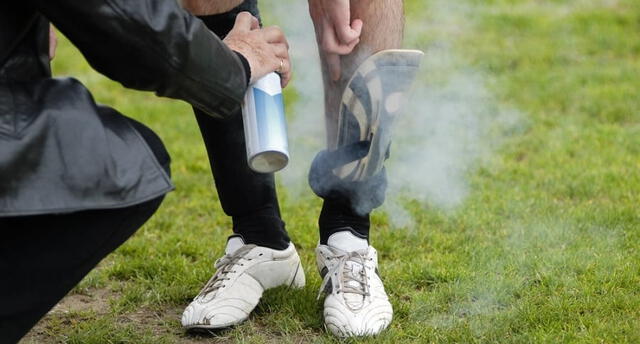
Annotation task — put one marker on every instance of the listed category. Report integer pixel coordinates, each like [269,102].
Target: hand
[265,49]
[337,34]
[53,42]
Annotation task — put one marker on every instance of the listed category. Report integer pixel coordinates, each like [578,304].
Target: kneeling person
[78,179]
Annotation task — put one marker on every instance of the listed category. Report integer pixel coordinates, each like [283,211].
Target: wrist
[246,66]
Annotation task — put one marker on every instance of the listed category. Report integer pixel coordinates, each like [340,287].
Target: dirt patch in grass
[94,300]
[167,322]
[161,323]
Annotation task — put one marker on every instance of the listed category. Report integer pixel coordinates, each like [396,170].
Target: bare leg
[383,29]
[341,216]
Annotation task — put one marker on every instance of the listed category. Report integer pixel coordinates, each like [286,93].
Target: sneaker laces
[224,266]
[349,280]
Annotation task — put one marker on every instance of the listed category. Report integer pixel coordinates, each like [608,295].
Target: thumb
[349,33]
[255,23]
[245,22]
[53,42]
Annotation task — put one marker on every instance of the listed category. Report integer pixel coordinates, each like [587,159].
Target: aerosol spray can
[265,128]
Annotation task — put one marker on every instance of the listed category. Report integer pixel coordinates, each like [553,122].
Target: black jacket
[59,151]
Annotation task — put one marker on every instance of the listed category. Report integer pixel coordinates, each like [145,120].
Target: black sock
[337,215]
[262,228]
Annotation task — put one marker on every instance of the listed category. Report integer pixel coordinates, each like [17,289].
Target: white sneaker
[356,303]
[243,274]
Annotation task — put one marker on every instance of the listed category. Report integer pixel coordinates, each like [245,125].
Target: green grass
[545,248]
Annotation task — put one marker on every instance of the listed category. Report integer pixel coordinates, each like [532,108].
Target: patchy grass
[543,249]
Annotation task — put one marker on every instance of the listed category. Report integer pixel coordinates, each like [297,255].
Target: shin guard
[372,99]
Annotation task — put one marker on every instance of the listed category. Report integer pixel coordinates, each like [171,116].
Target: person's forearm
[209,7]
[154,46]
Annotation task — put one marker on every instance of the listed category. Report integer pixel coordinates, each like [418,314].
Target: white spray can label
[265,127]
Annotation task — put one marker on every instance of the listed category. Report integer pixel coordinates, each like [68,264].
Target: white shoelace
[346,279]
[225,265]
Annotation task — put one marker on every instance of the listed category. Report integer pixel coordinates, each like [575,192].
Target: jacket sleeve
[153,45]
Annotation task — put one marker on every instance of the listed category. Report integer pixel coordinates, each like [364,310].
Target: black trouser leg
[43,257]
[249,198]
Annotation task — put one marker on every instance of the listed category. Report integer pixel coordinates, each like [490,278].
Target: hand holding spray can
[265,127]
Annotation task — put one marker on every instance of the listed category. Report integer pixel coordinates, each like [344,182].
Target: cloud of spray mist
[448,128]
[446,132]
[451,125]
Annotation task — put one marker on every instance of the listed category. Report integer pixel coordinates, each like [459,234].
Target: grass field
[533,237]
